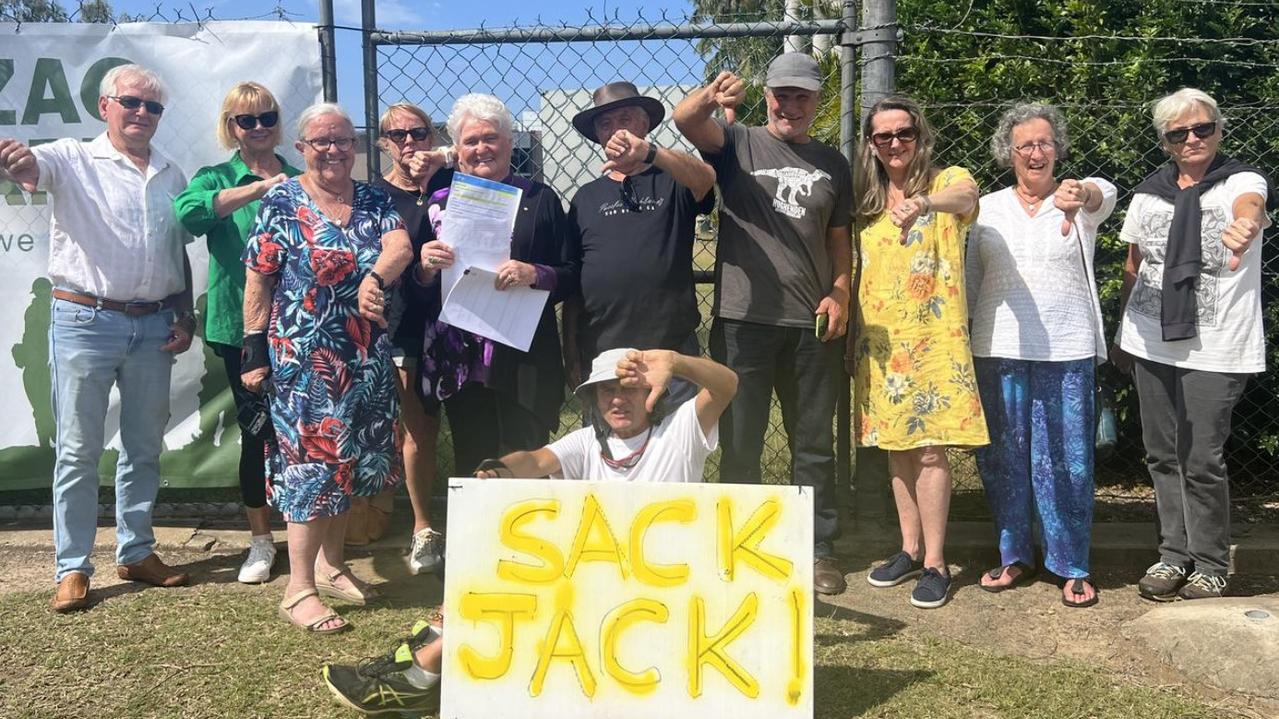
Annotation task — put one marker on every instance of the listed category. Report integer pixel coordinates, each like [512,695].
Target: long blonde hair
[870,174]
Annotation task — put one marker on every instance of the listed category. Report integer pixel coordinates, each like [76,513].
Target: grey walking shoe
[1202,586]
[1161,582]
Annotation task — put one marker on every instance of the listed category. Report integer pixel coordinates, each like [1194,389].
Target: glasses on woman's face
[417,133]
[249,122]
[1029,148]
[129,102]
[323,144]
[1203,131]
[905,136]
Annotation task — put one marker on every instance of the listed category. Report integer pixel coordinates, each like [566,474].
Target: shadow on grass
[871,626]
[216,569]
[841,692]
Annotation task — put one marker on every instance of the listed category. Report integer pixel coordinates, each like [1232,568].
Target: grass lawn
[218,650]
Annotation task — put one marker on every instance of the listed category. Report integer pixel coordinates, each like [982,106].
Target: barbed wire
[96,14]
[1241,41]
[1084,63]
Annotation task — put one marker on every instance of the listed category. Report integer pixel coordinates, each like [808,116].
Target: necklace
[332,204]
[629,460]
[1032,202]
[394,178]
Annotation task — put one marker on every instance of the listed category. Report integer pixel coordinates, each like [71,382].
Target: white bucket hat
[604,368]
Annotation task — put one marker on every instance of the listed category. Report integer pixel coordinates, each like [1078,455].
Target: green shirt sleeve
[194,206]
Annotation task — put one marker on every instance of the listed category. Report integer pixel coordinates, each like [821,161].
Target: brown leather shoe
[152,571]
[827,579]
[72,594]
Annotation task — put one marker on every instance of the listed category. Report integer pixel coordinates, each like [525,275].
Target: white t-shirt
[1030,294]
[676,452]
[114,233]
[1229,335]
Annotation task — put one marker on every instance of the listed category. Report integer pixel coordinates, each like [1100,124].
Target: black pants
[252,451]
[486,424]
[805,373]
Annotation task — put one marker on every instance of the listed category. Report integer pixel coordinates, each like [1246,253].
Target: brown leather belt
[133,309]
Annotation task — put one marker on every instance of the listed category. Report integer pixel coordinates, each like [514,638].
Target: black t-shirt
[637,262]
[411,314]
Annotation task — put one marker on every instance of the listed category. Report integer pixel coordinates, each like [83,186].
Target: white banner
[49,79]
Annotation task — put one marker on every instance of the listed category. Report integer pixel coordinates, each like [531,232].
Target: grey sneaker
[1161,582]
[427,553]
[1202,586]
[257,566]
[895,570]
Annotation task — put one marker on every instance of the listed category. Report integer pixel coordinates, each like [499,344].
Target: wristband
[652,154]
[381,283]
[185,316]
[254,352]
[495,465]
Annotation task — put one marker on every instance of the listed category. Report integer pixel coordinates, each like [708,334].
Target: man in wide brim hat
[635,225]
[612,96]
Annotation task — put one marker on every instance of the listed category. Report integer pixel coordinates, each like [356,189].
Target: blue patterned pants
[1039,464]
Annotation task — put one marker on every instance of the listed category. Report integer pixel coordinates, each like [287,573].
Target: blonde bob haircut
[1168,108]
[871,176]
[247,98]
[407,108]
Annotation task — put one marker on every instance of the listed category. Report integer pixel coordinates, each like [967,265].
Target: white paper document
[477,225]
[507,316]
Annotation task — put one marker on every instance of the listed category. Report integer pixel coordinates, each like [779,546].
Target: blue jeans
[89,351]
[805,374]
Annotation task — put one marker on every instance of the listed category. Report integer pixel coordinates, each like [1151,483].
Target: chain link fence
[546,73]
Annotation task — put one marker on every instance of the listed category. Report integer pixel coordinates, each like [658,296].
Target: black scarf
[1182,259]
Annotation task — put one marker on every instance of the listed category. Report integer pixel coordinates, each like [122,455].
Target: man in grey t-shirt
[783,281]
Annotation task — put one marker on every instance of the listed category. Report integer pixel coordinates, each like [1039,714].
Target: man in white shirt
[630,438]
[121,312]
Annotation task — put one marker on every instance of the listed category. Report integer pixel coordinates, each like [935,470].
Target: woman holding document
[498,399]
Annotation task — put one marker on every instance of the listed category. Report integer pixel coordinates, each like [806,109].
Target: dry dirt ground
[1029,622]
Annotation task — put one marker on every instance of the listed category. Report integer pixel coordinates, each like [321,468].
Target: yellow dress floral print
[914,384]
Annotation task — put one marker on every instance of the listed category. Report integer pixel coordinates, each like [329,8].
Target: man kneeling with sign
[632,437]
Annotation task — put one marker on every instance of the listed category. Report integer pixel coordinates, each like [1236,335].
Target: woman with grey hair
[320,260]
[1036,338]
[498,398]
[1191,333]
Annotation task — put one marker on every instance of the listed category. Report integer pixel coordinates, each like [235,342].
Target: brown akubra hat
[612,96]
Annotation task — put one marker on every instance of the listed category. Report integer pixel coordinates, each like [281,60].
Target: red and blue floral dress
[333,401]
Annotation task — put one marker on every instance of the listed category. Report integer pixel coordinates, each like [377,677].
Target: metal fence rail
[545,74]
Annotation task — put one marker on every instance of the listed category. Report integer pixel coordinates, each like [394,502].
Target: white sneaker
[427,553]
[257,567]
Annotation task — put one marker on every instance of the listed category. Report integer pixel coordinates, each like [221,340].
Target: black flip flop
[1077,588]
[1024,577]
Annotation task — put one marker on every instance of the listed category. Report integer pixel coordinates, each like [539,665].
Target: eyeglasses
[323,144]
[129,102]
[248,122]
[417,133]
[629,199]
[1203,131]
[905,136]
[1029,148]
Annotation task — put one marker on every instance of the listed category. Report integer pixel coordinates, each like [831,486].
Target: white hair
[145,78]
[318,110]
[1001,143]
[479,106]
[1168,108]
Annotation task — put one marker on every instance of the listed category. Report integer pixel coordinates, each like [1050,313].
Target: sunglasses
[417,133]
[129,102]
[323,144]
[629,199]
[905,136]
[1202,131]
[248,122]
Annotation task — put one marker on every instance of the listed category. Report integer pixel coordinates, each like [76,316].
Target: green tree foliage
[51,11]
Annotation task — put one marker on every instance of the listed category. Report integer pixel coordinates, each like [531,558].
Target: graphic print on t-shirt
[618,207]
[1155,226]
[792,184]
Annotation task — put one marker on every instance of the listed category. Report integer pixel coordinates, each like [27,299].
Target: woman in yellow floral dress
[915,391]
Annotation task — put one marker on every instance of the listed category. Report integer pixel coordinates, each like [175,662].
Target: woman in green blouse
[221,203]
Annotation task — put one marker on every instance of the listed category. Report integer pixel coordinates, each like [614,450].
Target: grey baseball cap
[794,69]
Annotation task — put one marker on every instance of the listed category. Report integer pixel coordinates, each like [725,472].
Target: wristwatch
[381,283]
[652,154]
[185,316]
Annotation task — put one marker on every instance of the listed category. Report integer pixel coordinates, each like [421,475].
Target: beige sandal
[358,595]
[315,626]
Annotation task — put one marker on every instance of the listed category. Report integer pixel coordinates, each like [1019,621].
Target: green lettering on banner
[90,85]
[7,117]
[48,74]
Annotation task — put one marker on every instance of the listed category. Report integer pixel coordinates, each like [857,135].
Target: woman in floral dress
[315,326]
[915,391]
